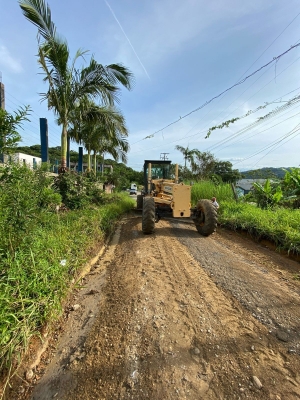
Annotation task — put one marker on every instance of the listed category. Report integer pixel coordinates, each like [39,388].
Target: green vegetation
[278,224]
[42,250]
[207,190]
[72,88]
[281,226]
[264,173]
[285,192]
[121,176]
[204,166]
[9,125]
[101,129]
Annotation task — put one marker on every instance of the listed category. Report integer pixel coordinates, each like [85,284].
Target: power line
[257,122]
[247,71]
[257,133]
[271,145]
[271,44]
[259,89]
[240,96]
[215,97]
[270,151]
[205,130]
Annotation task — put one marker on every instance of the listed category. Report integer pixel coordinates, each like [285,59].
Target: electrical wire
[205,130]
[246,72]
[254,125]
[257,133]
[271,144]
[226,90]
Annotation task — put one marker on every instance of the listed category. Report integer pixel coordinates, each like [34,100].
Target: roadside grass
[207,190]
[35,279]
[279,225]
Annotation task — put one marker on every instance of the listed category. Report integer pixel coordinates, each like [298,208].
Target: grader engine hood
[179,196]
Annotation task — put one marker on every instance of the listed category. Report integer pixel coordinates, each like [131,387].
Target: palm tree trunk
[102,164]
[63,166]
[89,160]
[95,163]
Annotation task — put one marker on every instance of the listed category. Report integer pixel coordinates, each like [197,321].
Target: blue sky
[182,54]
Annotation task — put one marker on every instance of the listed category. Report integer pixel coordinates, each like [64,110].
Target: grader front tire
[206,222]
[148,217]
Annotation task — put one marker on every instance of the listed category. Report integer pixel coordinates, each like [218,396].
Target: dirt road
[178,316]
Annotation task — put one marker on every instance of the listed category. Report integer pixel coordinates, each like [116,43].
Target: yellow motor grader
[163,196]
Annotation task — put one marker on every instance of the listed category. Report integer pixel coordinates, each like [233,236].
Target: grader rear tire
[206,223]
[148,217]
[139,201]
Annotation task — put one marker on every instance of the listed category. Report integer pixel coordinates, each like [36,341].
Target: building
[30,161]
[244,186]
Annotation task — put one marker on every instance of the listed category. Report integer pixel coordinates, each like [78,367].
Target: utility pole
[163,156]
[2,93]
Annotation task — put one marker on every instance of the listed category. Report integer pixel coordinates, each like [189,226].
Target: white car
[133,191]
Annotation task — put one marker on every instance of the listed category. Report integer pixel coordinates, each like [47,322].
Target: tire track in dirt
[254,278]
[165,330]
[173,323]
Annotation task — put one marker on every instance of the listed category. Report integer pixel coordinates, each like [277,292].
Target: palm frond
[117,73]
[38,12]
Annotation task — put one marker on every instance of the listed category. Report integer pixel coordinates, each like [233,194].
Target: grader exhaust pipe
[149,177]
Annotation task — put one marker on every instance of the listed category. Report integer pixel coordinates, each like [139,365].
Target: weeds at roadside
[34,281]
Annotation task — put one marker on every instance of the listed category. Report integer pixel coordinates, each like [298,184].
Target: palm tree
[117,147]
[101,130]
[187,154]
[69,85]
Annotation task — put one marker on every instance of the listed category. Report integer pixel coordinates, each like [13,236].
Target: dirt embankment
[178,316]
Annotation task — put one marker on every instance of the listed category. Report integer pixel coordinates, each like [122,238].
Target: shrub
[78,190]
[24,194]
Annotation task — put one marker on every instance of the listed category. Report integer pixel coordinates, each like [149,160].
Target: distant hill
[264,173]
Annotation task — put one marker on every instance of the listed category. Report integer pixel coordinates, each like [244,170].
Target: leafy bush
[267,195]
[78,190]
[24,194]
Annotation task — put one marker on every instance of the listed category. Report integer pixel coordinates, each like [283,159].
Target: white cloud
[8,62]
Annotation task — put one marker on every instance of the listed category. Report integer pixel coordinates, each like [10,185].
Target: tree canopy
[69,85]
[9,125]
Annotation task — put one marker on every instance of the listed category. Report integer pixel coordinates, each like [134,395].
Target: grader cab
[164,196]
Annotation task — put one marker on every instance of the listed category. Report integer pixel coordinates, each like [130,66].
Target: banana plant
[267,195]
[291,182]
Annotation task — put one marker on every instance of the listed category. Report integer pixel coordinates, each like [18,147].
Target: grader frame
[163,196]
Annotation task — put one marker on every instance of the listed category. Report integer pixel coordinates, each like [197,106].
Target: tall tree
[203,165]
[101,130]
[187,154]
[9,125]
[68,84]
[225,171]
